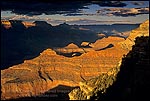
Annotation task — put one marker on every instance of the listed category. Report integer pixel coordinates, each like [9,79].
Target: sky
[79,13]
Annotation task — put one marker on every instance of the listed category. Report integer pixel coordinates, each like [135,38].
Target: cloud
[124,12]
[30,8]
[137,3]
[90,21]
[110,3]
[24,18]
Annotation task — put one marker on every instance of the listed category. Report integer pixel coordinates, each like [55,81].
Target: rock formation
[6,24]
[28,24]
[38,75]
[49,69]
[100,44]
[70,50]
[142,30]
[72,46]
[92,87]
[128,81]
[84,44]
[24,40]
[104,42]
[21,42]
[95,87]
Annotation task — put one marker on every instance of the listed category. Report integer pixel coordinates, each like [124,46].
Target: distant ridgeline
[127,82]
[21,40]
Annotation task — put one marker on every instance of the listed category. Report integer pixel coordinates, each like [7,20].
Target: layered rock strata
[142,30]
[95,87]
[40,74]
[128,81]
[49,69]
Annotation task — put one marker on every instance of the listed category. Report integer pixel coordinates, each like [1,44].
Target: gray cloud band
[124,12]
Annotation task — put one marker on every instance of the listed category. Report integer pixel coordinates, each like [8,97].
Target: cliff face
[38,75]
[128,81]
[95,87]
[49,69]
[142,30]
[99,88]
[132,82]
[6,24]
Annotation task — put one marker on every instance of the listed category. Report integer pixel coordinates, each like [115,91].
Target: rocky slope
[96,88]
[49,69]
[142,30]
[92,87]
[128,81]
[132,81]
[38,75]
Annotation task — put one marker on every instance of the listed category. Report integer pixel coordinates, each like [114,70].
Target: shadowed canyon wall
[26,40]
[49,69]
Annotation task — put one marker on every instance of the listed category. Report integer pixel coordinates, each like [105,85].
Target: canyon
[125,81]
[52,68]
[22,40]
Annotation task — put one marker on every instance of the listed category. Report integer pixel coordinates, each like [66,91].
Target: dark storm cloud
[37,7]
[124,12]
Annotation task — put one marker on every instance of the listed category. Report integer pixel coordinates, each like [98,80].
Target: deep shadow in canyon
[19,43]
